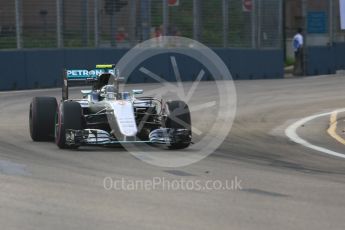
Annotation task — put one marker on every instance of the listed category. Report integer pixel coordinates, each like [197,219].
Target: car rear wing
[79,77]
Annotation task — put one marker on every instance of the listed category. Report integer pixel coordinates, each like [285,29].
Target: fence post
[259,22]
[305,40]
[145,19]
[283,27]
[253,21]
[113,30]
[196,20]
[59,37]
[132,21]
[225,6]
[330,18]
[165,17]
[19,23]
[85,23]
[96,22]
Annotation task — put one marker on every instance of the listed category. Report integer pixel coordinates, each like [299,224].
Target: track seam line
[332,130]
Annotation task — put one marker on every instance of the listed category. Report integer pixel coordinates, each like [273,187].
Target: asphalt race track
[284,185]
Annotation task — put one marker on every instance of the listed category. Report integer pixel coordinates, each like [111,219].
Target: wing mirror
[137,91]
[85,92]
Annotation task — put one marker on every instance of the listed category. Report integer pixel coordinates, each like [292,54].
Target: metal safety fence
[320,21]
[124,23]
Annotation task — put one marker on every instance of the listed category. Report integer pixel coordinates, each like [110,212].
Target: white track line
[291,132]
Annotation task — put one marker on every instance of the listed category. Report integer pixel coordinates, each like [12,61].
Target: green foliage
[74,39]
[289,61]
[8,42]
[238,36]
[180,17]
[39,40]
[156,13]
[212,23]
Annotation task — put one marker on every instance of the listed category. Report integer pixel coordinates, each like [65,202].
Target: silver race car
[105,116]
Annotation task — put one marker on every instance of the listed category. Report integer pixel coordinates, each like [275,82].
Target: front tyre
[42,118]
[69,116]
[178,117]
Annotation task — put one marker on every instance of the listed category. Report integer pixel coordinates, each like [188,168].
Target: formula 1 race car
[104,116]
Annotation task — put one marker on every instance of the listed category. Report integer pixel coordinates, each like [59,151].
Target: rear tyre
[178,117]
[69,116]
[42,118]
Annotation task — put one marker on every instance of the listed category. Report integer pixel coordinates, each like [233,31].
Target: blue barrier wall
[325,59]
[27,69]
[339,52]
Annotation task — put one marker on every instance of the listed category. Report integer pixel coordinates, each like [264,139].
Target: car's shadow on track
[98,149]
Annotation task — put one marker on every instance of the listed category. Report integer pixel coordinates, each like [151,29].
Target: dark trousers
[298,66]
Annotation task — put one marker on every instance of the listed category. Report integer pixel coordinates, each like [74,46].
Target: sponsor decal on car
[89,74]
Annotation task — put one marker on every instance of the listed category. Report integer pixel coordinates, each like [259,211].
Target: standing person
[297,43]
[158,34]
